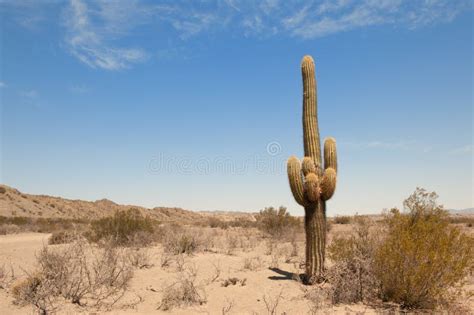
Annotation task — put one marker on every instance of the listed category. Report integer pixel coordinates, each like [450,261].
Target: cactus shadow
[284,275]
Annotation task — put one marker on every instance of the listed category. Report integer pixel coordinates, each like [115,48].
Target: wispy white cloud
[2,84]
[96,30]
[91,31]
[331,17]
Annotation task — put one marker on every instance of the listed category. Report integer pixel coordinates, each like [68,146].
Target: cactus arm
[311,187]
[295,179]
[312,145]
[330,154]
[308,166]
[328,183]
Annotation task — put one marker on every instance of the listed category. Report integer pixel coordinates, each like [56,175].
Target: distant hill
[15,203]
[467,211]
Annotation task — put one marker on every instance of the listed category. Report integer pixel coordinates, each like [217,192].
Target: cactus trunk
[310,185]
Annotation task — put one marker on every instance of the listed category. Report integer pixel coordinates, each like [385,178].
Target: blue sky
[198,104]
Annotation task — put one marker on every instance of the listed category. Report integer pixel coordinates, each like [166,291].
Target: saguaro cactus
[310,184]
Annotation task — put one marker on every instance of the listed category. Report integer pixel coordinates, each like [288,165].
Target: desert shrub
[351,276]
[252,263]
[7,276]
[342,219]
[183,292]
[214,222]
[2,190]
[276,223]
[177,240]
[422,257]
[242,222]
[139,257]
[79,273]
[123,227]
[9,229]
[35,290]
[62,237]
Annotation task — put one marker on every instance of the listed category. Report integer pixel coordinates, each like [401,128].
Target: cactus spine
[310,184]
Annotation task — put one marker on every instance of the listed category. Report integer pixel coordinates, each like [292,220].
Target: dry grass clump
[77,273]
[129,227]
[252,263]
[178,240]
[276,223]
[184,292]
[422,257]
[139,257]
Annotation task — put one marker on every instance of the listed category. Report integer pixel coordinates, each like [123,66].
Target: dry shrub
[78,273]
[343,219]
[7,276]
[272,302]
[422,258]
[276,223]
[62,237]
[419,261]
[214,222]
[139,257]
[217,271]
[128,227]
[232,241]
[9,229]
[184,292]
[180,241]
[351,277]
[252,263]
[317,299]
[37,291]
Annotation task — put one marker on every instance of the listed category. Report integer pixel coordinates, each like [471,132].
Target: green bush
[422,257]
[124,228]
[276,223]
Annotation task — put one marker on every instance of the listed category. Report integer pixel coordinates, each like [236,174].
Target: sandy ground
[148,285]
